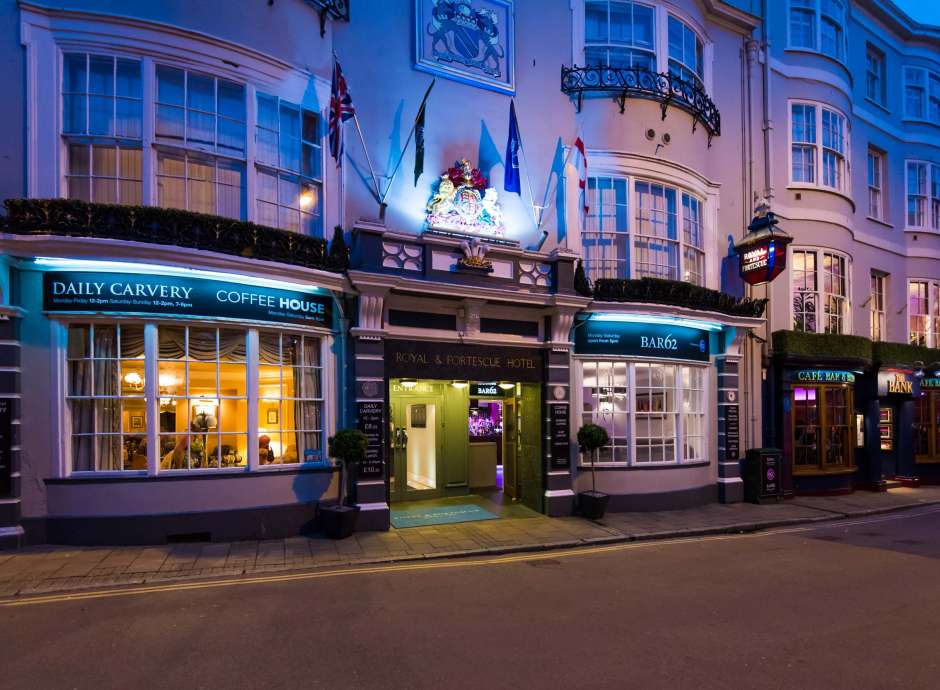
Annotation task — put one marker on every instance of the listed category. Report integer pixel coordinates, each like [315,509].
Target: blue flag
[513,180]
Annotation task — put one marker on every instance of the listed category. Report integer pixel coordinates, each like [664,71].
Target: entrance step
[909,482]
[892,484]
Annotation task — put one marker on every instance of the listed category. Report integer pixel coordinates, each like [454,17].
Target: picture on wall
[471,41]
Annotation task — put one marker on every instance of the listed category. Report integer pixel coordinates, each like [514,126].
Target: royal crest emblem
[466,35]
[464,203]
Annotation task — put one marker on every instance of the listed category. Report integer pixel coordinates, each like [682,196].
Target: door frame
[401,491]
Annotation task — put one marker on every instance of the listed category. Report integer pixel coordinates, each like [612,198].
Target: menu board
[561,440]
[732,433]
[371,422]
[6,441]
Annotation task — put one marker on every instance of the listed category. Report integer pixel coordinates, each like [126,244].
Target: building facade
[184,327]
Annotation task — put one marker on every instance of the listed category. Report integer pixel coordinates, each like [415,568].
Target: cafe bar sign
[133,293]
[822,376]
[602,336]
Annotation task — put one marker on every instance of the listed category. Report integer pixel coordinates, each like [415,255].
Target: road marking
[430,565]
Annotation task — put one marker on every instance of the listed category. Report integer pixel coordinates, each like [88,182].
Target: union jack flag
[341,109]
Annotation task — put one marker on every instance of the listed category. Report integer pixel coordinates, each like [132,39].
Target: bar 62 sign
[600,336]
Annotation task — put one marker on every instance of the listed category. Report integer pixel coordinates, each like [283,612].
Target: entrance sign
[133,293]
[732,433]
[485,390]
[601,337]
[370,421]
[431,360]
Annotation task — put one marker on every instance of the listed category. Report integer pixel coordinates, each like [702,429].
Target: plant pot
[338,521]
[593,504]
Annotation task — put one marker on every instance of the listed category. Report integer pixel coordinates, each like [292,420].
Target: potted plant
[348,447]
[593,503]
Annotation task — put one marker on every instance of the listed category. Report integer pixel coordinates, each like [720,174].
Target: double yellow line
[366,570]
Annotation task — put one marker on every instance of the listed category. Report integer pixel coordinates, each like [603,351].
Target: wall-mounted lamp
[507,386]
[408,383]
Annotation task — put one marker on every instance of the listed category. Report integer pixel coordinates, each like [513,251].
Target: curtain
[107,402]
[83,411]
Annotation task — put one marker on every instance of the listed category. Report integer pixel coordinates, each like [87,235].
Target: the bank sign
[132,293]
[667,341]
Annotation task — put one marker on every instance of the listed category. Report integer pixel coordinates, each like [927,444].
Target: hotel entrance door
[417,448]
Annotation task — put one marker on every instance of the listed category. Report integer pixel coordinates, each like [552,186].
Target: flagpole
[547,200]
[401,158]
[365,150]
[537,217]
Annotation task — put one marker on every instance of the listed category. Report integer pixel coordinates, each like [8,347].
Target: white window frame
[631,236]
[661,40]
[877,306]
[930,88]
[932,325]
[151,395]
[930,198]
[820,292]
[844,171]
[876,76]
[678,460]
[816,8]
[875,175]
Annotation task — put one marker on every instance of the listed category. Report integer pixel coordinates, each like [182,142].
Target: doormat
[440,515]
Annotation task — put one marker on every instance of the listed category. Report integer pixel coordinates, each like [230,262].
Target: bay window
[818,25]
[626,34]
[196,410]
[923,311]
[654,412]
[810,152]
[877,305]
[197,153]
[922,94]
[923,195]
[663,238]
[820,278]
[102,127]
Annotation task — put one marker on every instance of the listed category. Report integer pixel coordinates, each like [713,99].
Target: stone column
[556,394]
[371,398]
[11,533]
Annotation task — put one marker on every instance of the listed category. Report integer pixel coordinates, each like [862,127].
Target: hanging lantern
[762,254]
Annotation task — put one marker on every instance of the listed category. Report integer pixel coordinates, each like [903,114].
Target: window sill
[885,223]
[624,467]
[920,121]
[825,473]
[922,231]
[184,475]
[803,187]
[875,103]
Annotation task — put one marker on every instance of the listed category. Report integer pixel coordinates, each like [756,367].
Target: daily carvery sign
[132,293]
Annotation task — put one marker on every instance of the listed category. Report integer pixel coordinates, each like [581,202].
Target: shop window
[809,287]
[102,126]
[106,398]
[923,308]
[923,195]
[668,234]
[290,406]
[659,409]
[822,428]
[202,387]
[886,428]
[288,158]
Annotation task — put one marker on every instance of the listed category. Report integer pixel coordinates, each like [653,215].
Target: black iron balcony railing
[334,9]
[638,82]
[162,226]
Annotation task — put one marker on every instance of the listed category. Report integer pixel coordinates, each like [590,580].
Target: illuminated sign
[597,336]
[763,261]
[823,376]
[173,295]
[482,390]
[897,382]
[931,383]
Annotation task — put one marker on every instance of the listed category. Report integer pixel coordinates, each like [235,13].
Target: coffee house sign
[131,293]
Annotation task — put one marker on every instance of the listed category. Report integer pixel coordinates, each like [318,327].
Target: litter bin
[763,475]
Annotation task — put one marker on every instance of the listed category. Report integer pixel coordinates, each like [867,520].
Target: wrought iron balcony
[638,82]
[334,9]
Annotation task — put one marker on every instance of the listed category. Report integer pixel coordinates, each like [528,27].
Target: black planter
[593,504]
[339,521]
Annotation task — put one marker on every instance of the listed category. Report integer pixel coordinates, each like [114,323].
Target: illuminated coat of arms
[463,203]
[466,35]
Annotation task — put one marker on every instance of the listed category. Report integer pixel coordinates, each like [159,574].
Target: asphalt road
[845,605]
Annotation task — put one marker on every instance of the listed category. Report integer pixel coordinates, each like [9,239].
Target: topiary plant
[581,284]
[591,438]
[349,447]
[339,252]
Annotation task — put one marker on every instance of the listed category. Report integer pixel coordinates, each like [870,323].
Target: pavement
[847,604]
[47,569]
